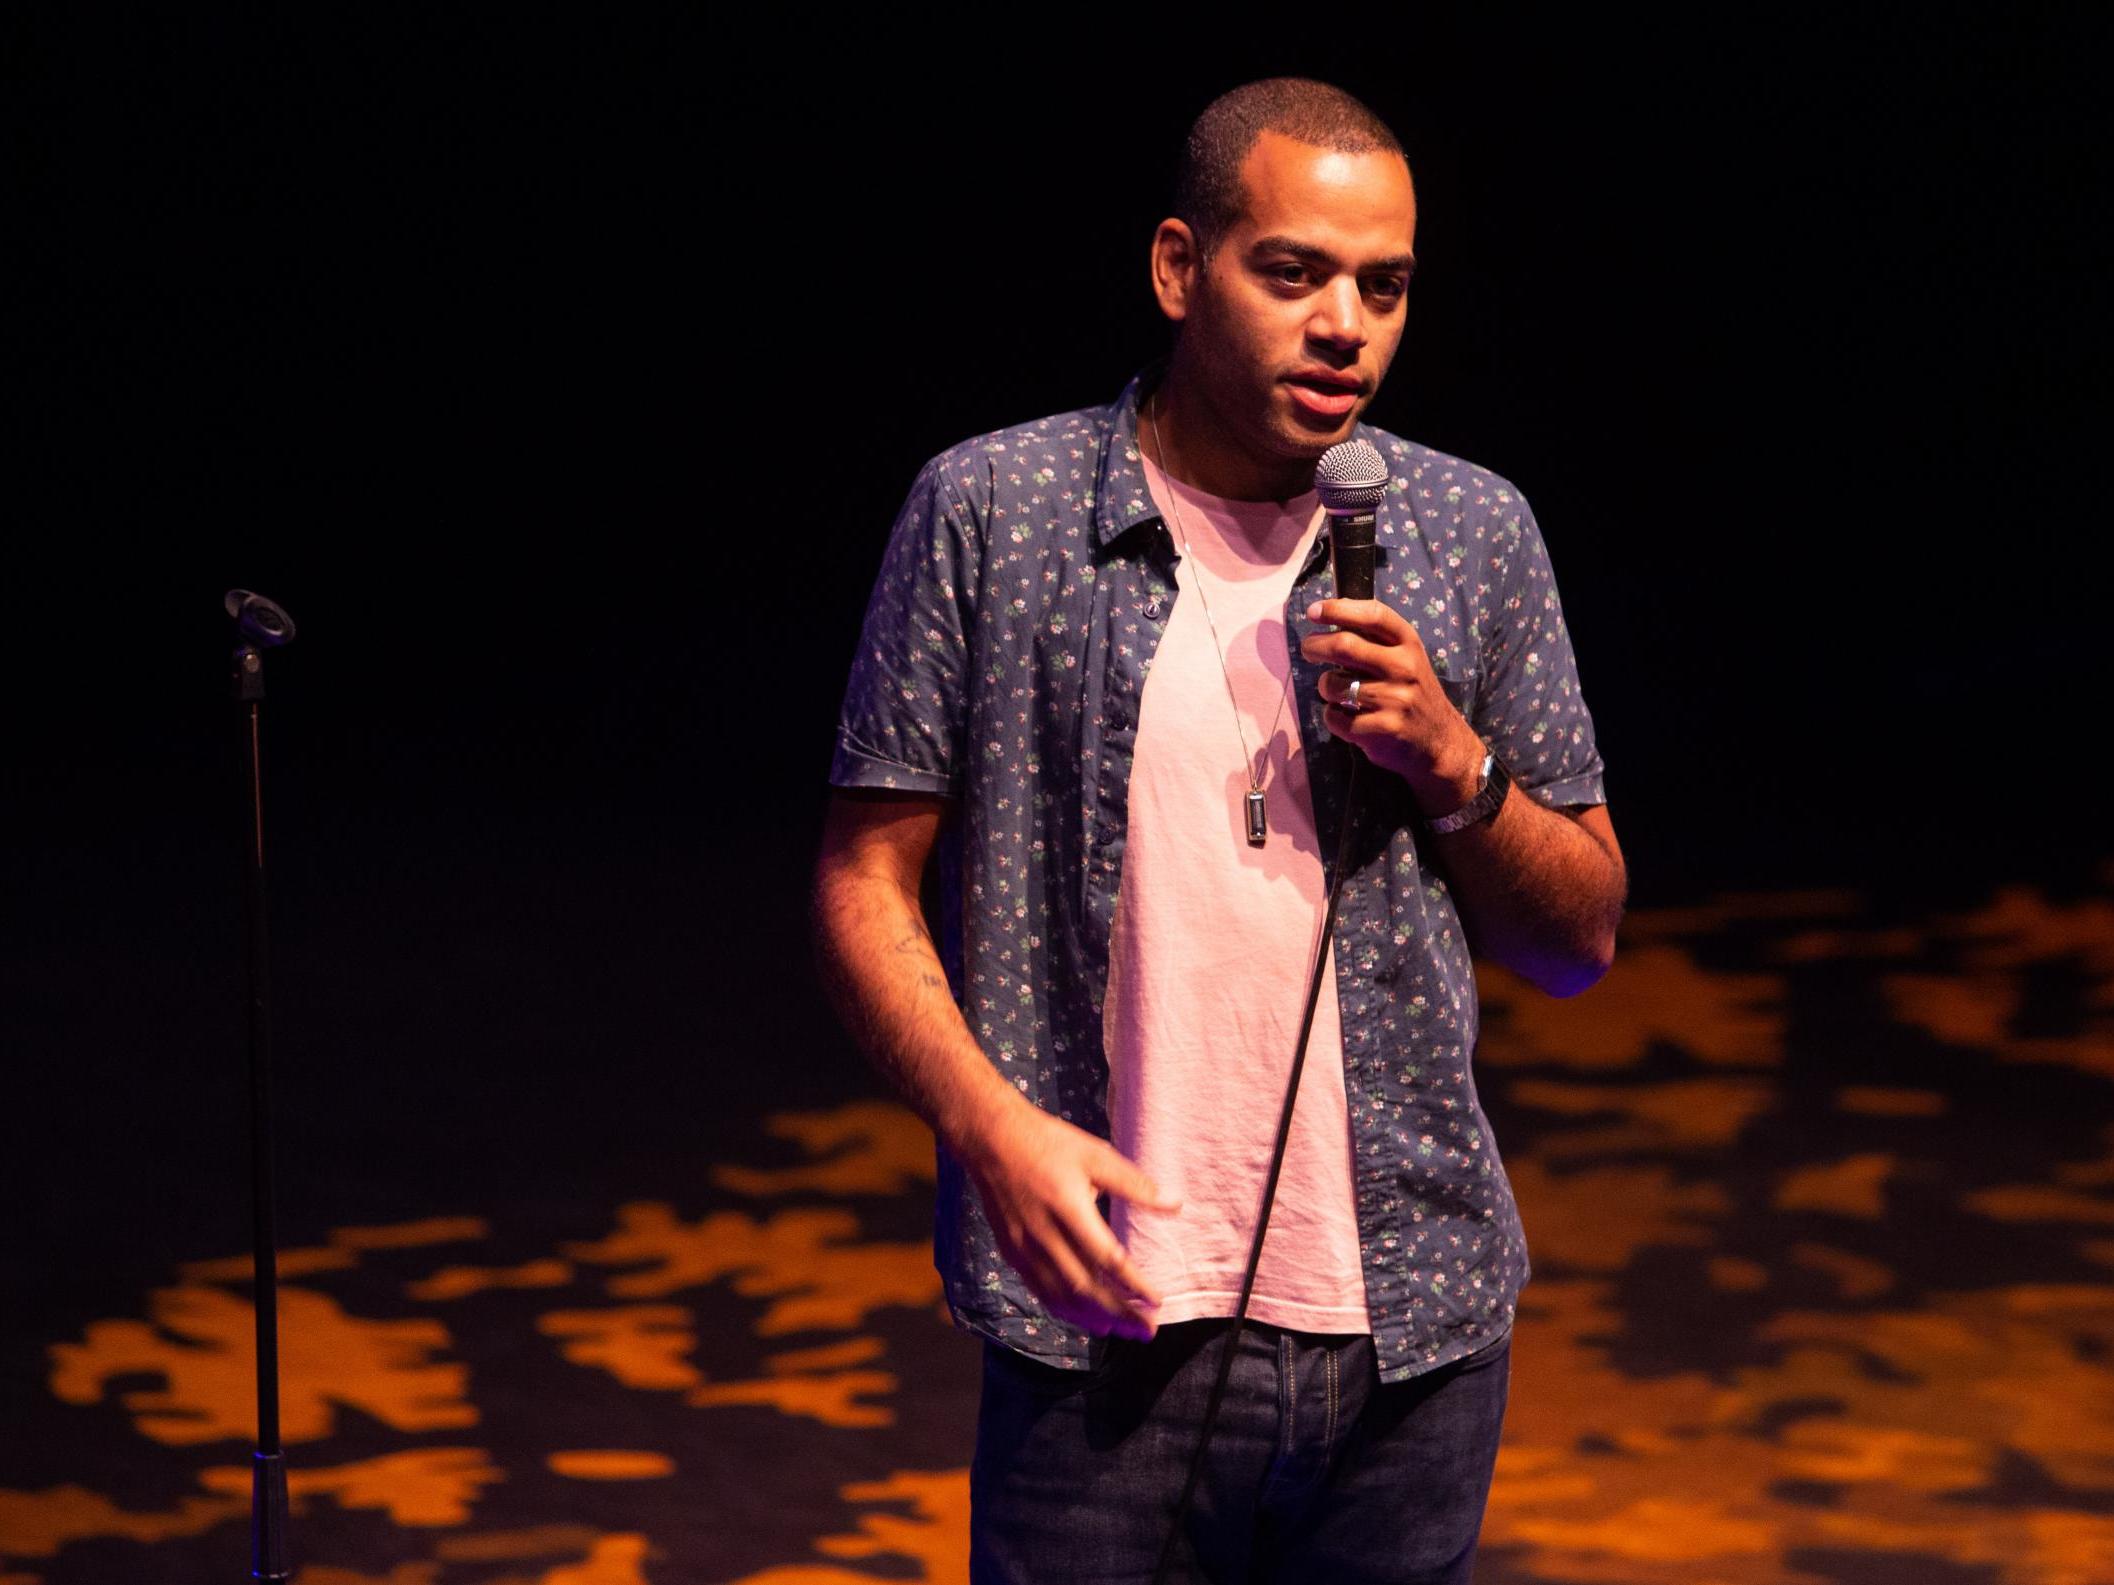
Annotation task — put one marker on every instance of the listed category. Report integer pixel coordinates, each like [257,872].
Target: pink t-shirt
[1214,940]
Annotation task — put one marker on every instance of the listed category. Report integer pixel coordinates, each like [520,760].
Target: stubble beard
[1257,427]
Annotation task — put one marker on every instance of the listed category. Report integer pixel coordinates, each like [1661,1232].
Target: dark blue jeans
[1316,1470]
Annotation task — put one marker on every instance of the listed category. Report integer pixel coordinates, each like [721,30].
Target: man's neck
[1186,444]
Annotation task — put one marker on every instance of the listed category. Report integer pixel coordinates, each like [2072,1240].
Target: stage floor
[606,1262]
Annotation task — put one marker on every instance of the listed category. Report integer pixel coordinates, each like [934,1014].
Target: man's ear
[1175,268]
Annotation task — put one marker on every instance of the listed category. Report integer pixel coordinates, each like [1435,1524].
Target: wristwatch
[1497,781]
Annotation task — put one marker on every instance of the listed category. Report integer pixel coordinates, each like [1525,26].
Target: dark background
[562,380]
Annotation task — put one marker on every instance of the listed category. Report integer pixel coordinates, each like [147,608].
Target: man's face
[1286,335]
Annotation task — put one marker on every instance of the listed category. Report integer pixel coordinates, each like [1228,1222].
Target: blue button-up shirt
[1023,593]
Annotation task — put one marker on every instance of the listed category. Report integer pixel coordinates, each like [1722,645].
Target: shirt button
[1152,609]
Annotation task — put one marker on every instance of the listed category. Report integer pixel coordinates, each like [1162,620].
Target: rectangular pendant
[1258,821]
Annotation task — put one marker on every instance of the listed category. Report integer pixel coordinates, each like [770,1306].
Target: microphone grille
[1351,476]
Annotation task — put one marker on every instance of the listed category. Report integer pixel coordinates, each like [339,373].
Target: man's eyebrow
[1402,263]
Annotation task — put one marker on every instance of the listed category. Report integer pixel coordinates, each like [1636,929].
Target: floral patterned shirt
[1025,586]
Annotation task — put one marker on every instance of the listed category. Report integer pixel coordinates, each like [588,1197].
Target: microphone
[1350,479]
[263,622]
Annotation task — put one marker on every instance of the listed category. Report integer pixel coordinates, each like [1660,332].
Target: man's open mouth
[1325,395]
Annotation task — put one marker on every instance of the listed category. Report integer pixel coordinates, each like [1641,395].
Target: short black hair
[1208,196]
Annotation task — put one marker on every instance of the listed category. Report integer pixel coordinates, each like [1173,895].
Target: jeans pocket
[1498,1354]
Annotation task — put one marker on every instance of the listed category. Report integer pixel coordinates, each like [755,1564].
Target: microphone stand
[262,625]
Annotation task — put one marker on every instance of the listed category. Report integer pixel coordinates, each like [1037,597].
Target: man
[1079,679]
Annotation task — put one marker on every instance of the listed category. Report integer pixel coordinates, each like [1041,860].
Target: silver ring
[1350,700]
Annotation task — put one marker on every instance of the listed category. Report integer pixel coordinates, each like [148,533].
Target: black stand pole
[263,624]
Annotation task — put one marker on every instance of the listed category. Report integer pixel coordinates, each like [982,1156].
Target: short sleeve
[904,716]
[1528,704]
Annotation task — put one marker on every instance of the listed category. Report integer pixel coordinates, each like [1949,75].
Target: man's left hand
[1404,721]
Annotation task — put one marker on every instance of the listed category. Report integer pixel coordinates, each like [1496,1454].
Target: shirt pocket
[1460,691]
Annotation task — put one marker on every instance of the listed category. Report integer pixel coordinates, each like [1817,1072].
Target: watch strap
[1489,798]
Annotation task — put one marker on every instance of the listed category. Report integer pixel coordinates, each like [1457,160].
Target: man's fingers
[1117,1173]
[1354,652]
[1370,617]
[1066,1250]
[1361,728]
[1374,695]
[1062,1270]
[1095,1244]
[1070,1285]
[1384,721]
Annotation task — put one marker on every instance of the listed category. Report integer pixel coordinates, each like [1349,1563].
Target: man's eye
[1290,274]
[1386,288]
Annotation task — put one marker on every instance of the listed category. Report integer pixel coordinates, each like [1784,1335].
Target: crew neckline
[1246,513]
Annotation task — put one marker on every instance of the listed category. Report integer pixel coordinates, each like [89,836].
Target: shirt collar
[1121,500]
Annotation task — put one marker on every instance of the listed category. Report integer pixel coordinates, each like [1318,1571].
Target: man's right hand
[1039,1177]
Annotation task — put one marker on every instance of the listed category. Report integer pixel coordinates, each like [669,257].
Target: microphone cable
[1352,478]
[1277,1159]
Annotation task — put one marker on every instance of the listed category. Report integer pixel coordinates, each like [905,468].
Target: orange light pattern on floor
[425,1487]
[413,1235]
[463,1282]
[203,1342]
[642,1345]
[809,1261]
[614,1560]
[1655,992]
[1854,1186]
[869,1147]
[1675,1114]
[933,1537]
[539,1543]
[800,1383]
[610,1464]
[592,1559]
[38,1523]
[402,1574]
[1901,1418]
[839,1399]
[1808,1309]
[343,1250]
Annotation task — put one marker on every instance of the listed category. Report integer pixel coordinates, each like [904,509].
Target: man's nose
[1339,315]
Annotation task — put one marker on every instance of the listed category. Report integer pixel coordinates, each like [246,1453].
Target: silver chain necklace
[1257,814]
